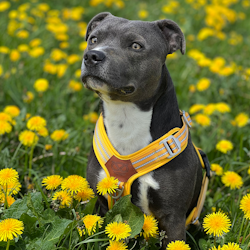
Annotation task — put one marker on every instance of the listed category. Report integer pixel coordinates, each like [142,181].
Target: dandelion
[83,45]
[14,55]
[241,120]
[209,109]
[48,147]
[85,195]
[231,246]
[117,231]
[216,223]
[202,119]
[92,117]
[10,200]
[150,228]
[36,123]
[5,127]
[41,85]
[75,86]
[222,107]
[64,198]
[232,180]
[245,205]
[59,135]
[52,182]
[10,229]
[43,132]
[107,185]
[90,222]
[224,146]
[28,138]
[214,248]
[196,108]
[217,169]
[28,97]
[203,84]
[116,245]
[8,176]
[178,245]
[12,187]
[12,110]
[74,184]
[4,5]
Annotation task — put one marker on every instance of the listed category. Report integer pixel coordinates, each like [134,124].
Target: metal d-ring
[120,190]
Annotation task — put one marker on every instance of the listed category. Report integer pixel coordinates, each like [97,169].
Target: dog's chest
[128,129]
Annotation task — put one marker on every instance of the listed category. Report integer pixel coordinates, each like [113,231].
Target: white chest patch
[128,127]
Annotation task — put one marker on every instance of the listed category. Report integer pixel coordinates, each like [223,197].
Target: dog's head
[124,59]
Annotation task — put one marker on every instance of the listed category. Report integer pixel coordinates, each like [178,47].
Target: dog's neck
[131,128]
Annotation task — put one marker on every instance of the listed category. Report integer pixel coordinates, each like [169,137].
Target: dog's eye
[93,40]
[136,46]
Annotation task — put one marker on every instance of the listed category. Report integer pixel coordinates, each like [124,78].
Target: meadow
[47,120]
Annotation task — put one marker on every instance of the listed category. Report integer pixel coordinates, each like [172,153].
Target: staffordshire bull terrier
[124,63]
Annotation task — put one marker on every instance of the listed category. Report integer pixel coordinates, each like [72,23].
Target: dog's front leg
[174,226]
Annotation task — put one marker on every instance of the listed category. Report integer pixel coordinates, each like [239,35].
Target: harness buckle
[186,118]
[177,144]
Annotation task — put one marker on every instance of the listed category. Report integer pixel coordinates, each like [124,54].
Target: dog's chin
[98,85]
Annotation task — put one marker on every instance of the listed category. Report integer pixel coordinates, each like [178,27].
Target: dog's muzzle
[93,57]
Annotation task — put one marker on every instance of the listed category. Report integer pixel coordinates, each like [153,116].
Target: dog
[124,63]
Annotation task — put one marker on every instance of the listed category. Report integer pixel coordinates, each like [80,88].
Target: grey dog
[125,64]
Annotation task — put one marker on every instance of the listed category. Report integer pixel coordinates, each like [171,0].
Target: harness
[127,168]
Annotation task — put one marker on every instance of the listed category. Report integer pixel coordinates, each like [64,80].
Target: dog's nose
[93,57]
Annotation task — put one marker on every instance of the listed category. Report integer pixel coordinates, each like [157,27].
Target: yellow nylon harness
[127,168]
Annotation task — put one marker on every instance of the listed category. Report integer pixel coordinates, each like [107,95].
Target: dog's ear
[95,21]
[173,35]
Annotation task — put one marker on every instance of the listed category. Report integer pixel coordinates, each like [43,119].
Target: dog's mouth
[101,86]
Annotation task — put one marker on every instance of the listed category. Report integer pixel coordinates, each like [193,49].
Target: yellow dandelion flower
[107,185]
[73,58]
[35,42]
[232,180]
[43,132]
[64,198]
[245,205]
[217,169]
[4,5]
[85,195]
[28,138]
[216,223]
[83,45]
[224,146]
[74,85]
[231,246]
[48,147]
[23,34]
[196,108]
[116,245]
[5,117]
[90,221]
[41,85]
[12,110]
[248,171]
[5,127]
[214,248]
[10,199]
[150,228]
[178,245]
[203,84]
[36,52]
[74,184]
[10,229]
[29,96]
[117,231]
[14,55]
[13,187]
[143,14]
[202,120]
[241,120]
[8,176]
[59,135]
[222,107]
[36,123]
[4,50]
[209,109]
[52,182]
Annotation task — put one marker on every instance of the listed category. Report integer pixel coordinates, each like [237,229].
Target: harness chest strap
[127,168]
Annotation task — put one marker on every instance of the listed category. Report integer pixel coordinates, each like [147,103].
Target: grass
[213,29]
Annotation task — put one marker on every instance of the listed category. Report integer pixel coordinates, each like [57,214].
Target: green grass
[64,109]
